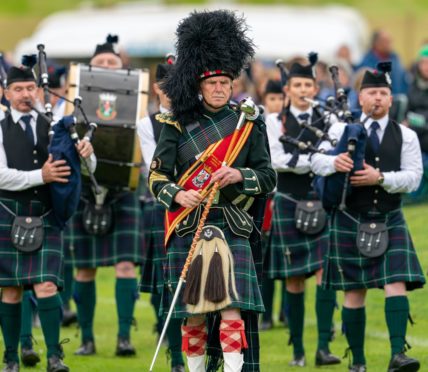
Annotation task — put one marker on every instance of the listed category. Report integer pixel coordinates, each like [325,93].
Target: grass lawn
[275,354]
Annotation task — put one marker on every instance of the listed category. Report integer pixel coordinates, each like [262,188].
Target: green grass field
[275,354]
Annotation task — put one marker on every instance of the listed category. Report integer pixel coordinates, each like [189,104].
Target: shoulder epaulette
[166,118]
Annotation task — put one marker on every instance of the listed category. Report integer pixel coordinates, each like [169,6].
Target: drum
[115,100]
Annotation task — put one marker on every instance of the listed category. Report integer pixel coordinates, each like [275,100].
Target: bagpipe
[62,145]
[332,190]
[321,134]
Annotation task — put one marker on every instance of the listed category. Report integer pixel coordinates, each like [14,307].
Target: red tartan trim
[194,339]
[232,336]
[207,74]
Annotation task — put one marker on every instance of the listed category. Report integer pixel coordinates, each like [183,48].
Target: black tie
[303,117]
[26,119]
[374,138]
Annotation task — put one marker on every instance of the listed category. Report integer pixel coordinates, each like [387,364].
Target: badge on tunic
[107,106]
[200,178]
[155,164]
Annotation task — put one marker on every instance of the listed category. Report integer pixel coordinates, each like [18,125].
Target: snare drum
[115,100]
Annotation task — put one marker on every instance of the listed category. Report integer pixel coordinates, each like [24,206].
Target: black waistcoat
[292,183]
[22,156]
[364,199]
[157,126]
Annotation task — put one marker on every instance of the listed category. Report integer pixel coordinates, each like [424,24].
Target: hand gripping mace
[249,110]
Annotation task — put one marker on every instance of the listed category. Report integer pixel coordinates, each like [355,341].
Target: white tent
[149,30]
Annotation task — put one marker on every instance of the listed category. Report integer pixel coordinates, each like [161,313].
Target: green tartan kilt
[152,279]
[345,268]
[249,296]
[123,243]
[290,252]
[26,269]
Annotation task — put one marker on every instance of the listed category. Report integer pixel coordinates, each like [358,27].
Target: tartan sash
[198,176]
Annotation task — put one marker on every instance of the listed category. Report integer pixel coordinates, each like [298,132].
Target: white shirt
[407,179]
[17,180]
[147,139]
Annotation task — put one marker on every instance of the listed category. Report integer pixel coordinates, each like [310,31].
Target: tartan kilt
[152,279]
[249,296]
[306,252]
[123,243]
[26,269]
[345,268]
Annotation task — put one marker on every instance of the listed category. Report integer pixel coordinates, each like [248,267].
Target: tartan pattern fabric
[290,252]
[251,353]
[154,256]
[232,336]
[245,274]
[194,339]
[197,138]
[345,268]
[25,269]
[124,243]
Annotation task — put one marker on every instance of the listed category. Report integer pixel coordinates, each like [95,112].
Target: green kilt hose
[290,252]
[123,243]
[26,269]
[249,296]
[152,279]
[346,269]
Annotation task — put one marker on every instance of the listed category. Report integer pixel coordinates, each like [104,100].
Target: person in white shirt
[26,170]
[294,254]
[362,255]
[152,276]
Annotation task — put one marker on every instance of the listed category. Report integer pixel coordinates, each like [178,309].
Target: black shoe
[55,364]
[325,358]
[266,325]
[68,317]
[179,368]
[358,368]
[29,357]
[298,362]
[124,347]
[402,363]
[11,367]
[87,348]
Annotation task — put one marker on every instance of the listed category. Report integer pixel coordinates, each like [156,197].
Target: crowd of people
[229,180]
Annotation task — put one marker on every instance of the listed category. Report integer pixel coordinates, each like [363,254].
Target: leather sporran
[310,216]
[97,219]
[27,233]
[372,239]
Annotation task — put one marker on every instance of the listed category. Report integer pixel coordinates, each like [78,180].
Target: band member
[212,48]
[121,248]
[273,102]
[26,169]
[152,279]
[370,244]
[294,252]
[273,97]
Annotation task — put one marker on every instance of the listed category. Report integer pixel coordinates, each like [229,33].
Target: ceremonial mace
[248,109]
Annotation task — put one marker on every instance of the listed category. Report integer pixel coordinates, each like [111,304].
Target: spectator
[381,50]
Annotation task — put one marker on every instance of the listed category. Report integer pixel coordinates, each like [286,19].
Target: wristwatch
[381,179]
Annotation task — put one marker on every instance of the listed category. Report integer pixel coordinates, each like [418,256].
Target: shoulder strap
[157,126]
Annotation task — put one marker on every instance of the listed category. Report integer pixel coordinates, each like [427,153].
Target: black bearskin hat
[305,71]
[209,43]
[378,78]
